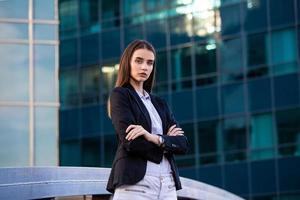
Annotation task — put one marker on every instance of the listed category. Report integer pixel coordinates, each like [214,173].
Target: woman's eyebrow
[140,58]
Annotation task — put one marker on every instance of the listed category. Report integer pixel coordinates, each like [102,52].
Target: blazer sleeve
[122,116]
[174,144]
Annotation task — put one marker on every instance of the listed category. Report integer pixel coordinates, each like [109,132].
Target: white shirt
[164,167]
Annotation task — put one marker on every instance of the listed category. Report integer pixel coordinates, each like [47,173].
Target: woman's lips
[143,74]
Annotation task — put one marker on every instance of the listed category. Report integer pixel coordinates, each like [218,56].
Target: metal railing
[50,182]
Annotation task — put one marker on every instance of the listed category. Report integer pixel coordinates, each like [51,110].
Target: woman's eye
[150,63]
[139,61]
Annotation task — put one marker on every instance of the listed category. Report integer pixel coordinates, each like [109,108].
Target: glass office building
[29,97]
[228,68]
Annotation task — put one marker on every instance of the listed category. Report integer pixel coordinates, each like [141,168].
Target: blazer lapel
[141,106]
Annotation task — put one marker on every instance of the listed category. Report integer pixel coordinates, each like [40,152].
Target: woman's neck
[138,86]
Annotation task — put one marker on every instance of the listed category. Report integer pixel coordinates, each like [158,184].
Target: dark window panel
[288,131]
[255,15]
[233,99]
[289,175]
[236,178]
[267,184]
[154,5]
[230,19]
[133,7]
[209,137]
[257,49]
[286,89]
[258,72]
[182,85]
[90,83]
[182,112]
[181,63]
[90,152]
[89,49]
[161,67]
[88,13]
[110,146]
[205,58]
[201,82]
[234,132]
[68,14]
[207,102]
[132,33]
[90,120]
[282,12]
[69,153]
[68,52]
[110,9]
[110,44]
[69,88]
[259,94]
[156,33]
[211,175]
[69,124]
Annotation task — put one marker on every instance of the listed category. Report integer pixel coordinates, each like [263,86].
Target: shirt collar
[146,97]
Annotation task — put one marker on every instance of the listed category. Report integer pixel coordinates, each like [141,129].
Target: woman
[147,132]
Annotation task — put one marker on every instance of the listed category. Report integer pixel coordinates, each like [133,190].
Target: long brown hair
[125,67]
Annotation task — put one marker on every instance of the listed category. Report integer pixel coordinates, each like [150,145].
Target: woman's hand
[135,131]
[173,131]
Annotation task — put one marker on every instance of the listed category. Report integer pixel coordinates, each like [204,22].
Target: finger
[178,133]
[130,133]
[176,129]
[138,134]
[130,127]
[171,128]
[133,133]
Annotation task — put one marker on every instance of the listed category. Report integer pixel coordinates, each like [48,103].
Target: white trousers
[149,188]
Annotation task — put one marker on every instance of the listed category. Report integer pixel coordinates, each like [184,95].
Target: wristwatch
[161,141]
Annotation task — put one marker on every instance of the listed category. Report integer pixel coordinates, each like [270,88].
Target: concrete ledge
[47,182]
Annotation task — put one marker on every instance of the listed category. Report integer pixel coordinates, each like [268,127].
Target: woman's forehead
[143,53]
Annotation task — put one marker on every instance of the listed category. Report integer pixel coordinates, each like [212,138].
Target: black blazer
[130,162]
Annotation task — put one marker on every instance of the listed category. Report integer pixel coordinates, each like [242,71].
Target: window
[14,126]
[68,52]
[255,15]
[133,7]
[282,12]
[205,58]
[230,19]
[90,152]
[156,33]
[207,102]
[45,73]
[89,49]
[181,63]
[90,83]
[69,88]
[132,33]
[259,94]
[233,99]
[110,9]
[161,67]
[288,131]
[261,137]
[234,133]
[257,49]
[283,52]
[17,82]
[44,9]
[178,100]
[14,9]
[111,44]
[180,29]
[46,136]
[13,30]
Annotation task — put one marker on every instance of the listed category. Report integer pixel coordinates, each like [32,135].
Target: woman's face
[141,64]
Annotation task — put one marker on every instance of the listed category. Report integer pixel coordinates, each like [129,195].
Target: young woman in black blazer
[147,133]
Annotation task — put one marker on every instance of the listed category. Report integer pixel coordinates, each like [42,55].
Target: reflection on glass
[233,98]
[282,12]
[14,126]
[13,30]
[152,5]
[261,136]
[110,9]
[44,9]
[44,66]
[14,72]
[89,52]
[209,137]
[181,63]
[109,75]
[255,14]
[206,23]
[288,131]
[68,13]
[90,78]
[110,43]
[68,52]
[181,29]
[46,136]
[45,32]
[14,9]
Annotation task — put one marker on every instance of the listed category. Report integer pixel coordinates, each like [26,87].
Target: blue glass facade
[229,69]
[29,97]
